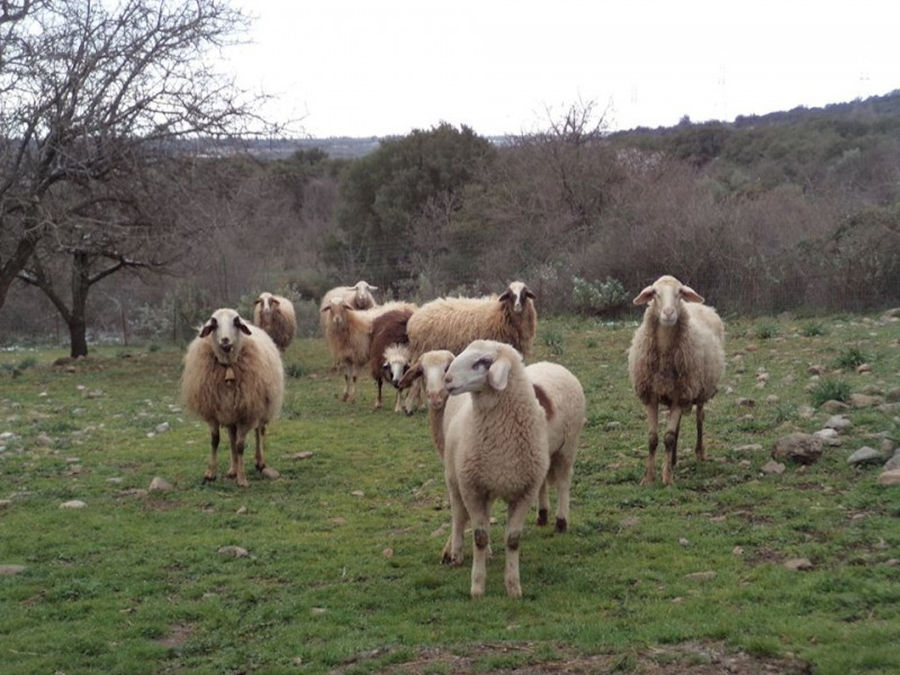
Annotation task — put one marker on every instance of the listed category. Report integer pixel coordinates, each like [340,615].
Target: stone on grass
[772,467]
[799,564]
[833,407]
[301,455]
[893,396]
[828,436]
[43,440]
[271,473]
[890,478]
[893,464]
[839,423]
[752,447]
[242,511]
[9,570]
[746,402]
[159,484]
[233,551]
[73,504]
[865,401]
[163,428]
[865,455]
[798,447]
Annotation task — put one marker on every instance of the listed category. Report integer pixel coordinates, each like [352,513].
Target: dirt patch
[177,637]
[694,658]
[764,555]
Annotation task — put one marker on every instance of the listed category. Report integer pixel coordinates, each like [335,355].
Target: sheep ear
[257,301]
[326,308]
[498,374]
[688,294]
[241,326]
[410,376]
[274,302]
[506,295]
[528,293]
[208,328]
[644,296]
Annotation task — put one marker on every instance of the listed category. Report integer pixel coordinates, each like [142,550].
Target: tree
[96,98]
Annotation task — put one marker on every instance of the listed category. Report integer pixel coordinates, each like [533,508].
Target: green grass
[830,389]
[337,581]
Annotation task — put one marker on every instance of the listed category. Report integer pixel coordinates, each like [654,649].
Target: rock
[9,570]
[829,437]
[73,504]
[806,412]
[893,464]
[242,511]
[683,542]
[612,426]
[746,402]
[752,447]
[737,550]
[865,401]
[160,485]
[772,467]
[270,473]
[816,370]
[388,552]
[301,455]
[863,368]
[43,440]
[865,455]
[233,551]
[162,428]
[890,477]
[358,493]
[832,407]
[893,396]
[772,399]
[799,564]
[798,447]
[889,408]
[701,576]
[839,423]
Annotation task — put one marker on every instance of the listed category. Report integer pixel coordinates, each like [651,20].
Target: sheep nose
[448,378]
[668,312]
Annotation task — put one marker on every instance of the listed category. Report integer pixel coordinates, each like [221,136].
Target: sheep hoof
[561,525]
[542,517]
[209,478]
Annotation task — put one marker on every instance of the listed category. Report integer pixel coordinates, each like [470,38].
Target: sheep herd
[502,430]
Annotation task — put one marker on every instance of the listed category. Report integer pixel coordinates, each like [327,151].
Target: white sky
[380,67]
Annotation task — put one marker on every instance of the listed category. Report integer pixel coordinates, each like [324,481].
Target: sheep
[561,396]
[275,315]
[233,377]
[495,446]
[452,323]
[349,335]
[389,350]
[358,296]
[676,358]
[431,367]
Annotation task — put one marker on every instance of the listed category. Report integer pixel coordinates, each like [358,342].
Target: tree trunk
[77,335]
[77,318]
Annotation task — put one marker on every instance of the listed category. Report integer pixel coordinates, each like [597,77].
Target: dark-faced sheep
[233,378]
[389,333]
[676,358]
[275,315]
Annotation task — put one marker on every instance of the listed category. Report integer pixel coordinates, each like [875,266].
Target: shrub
[850,358]
[765,330]
[598,298]
[830,389]
[813,329]
[554,341]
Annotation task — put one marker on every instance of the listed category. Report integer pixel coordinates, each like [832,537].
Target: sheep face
[267,302]
[432,367]
[363,299]
[226,327]
[395,364]
[483,365]
[337,312]
[666,295]
[516,297]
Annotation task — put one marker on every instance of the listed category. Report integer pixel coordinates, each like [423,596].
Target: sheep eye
[482,363]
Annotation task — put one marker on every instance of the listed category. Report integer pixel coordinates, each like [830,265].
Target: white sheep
[431,368]
[275,315]
[349,336]
[452,323]
[358,296]
[233,377]
[495,446]
[676,358]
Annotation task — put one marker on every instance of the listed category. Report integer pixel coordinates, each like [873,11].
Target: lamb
[676,358]
[452,323]
[389,350]
[358,296]
[431,367]
[275,315]
[495,446]
[233,377]
[349,335]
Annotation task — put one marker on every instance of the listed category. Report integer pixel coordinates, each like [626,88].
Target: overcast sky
[380,67]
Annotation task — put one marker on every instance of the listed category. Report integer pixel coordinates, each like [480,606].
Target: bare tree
[94,97]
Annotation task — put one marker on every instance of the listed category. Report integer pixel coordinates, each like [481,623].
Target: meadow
[342,572]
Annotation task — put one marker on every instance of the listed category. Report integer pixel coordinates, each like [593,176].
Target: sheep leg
[352,383]
[671,443]
[397,406]
[516,515]
[210,474]
[563,483]
[240,439]
[481,516]
[543,502]
[454,551]
[653,420]
[260,449]
[346,395]
[699,450]
[378,383]
[232,462]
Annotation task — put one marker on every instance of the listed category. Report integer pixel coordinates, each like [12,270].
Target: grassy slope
[337,580]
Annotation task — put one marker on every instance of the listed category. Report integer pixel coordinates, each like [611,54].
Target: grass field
[343,569]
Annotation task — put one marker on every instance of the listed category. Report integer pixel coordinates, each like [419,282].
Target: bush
[813,329]
[766,331]
[850,358]
[830,390]
[598,298]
